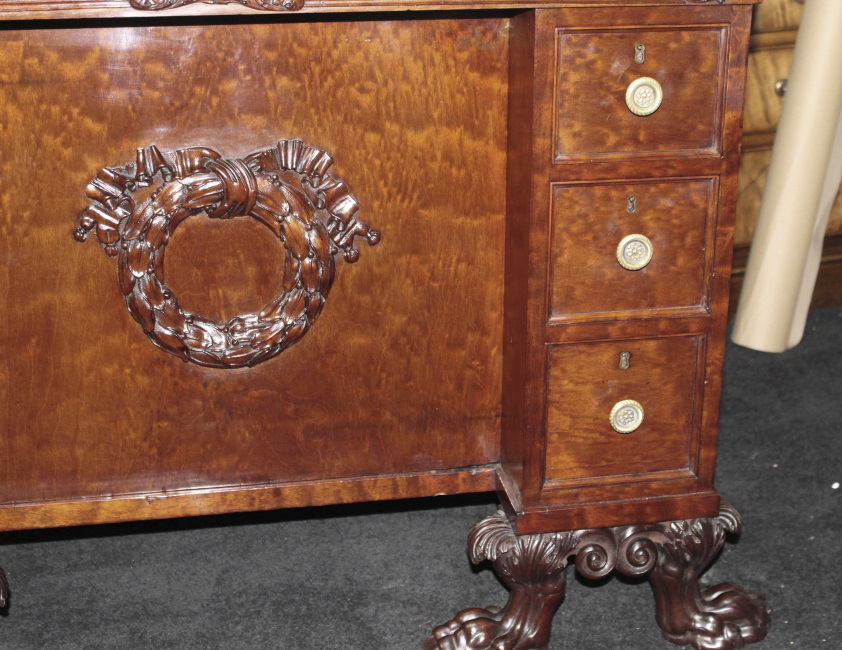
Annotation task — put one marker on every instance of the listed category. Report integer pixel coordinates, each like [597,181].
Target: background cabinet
[774,30]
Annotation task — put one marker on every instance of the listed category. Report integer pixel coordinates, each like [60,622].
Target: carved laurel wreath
[287,188]
[263,5]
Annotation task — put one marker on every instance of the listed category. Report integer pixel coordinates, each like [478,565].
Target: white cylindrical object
[802,181]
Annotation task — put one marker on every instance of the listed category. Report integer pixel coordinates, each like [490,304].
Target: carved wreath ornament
[287,188]
[263,5]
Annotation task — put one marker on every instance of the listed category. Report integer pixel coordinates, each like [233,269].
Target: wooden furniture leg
[533,568]
[719,617]
[673,554]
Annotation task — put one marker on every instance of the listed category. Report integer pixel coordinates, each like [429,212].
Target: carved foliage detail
[722,617]
[264,5]
[719,617]
[674,554]
[533,568]
[287,188]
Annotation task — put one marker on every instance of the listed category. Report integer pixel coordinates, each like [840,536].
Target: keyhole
[624,360]
[639,53]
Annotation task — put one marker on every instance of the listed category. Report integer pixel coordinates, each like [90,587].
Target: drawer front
[586,381]
[591,222]
[763,103]
[596,69]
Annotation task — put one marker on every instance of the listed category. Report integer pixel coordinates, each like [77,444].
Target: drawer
[586,381]
[597,68]
[590,222]
[763,104]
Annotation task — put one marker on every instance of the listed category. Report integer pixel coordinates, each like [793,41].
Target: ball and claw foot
[672,554]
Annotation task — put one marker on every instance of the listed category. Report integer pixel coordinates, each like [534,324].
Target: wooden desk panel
[402,372]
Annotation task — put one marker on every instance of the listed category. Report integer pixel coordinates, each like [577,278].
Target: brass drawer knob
[634,252]
[626,416]
[643,96]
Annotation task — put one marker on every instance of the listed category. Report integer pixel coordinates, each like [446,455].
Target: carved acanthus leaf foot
[720,617]
[533,567]
[673,554]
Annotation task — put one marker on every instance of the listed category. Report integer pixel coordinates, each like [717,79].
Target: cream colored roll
[802,182]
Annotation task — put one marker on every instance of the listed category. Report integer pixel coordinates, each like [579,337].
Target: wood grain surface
[776,15]
[454,132]
[589,221]
[51,9]
[403,371]
[596,67]
[585,381]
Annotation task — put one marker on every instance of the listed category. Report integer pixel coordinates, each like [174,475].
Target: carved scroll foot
[720,617]
[673,554]
[533,568]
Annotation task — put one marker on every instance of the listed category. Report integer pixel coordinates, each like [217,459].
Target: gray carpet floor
[380,576]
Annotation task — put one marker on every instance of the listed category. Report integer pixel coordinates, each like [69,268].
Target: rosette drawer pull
[644,96]
[634,252]
[626,416]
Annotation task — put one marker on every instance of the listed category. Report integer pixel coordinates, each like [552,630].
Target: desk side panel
[402,372]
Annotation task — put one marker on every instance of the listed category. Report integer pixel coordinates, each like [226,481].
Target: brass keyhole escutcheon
[639,53]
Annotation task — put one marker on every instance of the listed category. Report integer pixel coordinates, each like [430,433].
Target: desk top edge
[99,9]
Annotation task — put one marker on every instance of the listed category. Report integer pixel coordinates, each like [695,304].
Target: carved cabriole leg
[673,554]
[533,568]
[721,617]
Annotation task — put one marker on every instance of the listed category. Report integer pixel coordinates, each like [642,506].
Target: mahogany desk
[546,191]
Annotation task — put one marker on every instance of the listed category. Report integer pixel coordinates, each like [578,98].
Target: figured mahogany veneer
[598,173]
[394,393]
[595,66]
[584,382]
[590,220]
